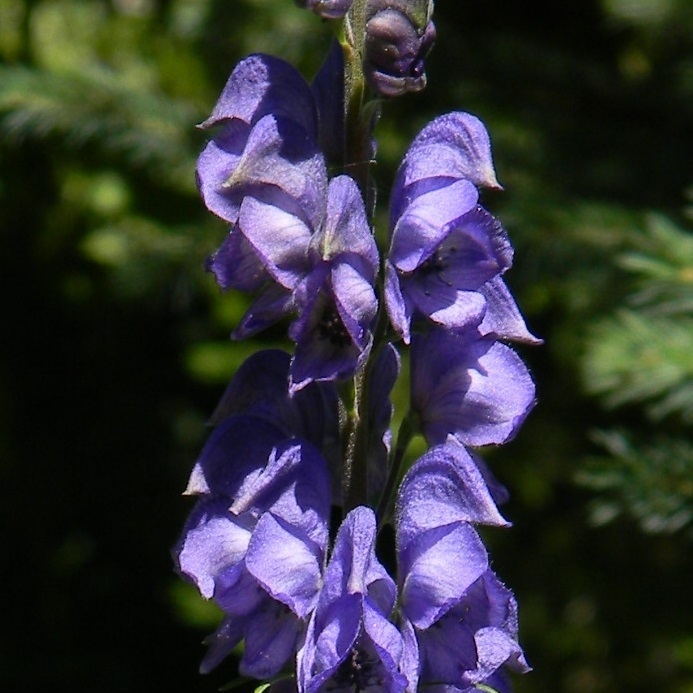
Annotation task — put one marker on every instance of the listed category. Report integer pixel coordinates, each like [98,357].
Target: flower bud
[399,35]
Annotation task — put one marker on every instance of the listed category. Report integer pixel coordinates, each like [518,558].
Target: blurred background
[114,346]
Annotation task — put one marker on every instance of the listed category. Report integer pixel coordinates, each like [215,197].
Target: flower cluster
[303,438]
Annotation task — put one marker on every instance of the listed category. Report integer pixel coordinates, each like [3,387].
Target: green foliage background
[115,346]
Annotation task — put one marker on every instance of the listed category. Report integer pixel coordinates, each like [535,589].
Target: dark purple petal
[236,265]
[221,643]
[384,372]
[238,447]
[328,89]
[238,592]
[447,650]
[273,303]
[271,635]
[332,333]
[261,387]
[262,84]
[470,386]
[475,250]
[470,643]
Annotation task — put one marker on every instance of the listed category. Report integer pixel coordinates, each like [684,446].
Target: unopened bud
[399,35]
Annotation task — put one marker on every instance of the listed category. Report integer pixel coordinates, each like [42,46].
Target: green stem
[407,430]
[358,120]
[355,482]
[357,165]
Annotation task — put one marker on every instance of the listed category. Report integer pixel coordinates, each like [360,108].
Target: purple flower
[331,270]
[475,638]
[452,147]
[333,333]
[444,247]
[264,140]
[470,386]
[350,642]
[399,36]
[271,633]
[260,387]
[459,623]
[262,496]
[321,266]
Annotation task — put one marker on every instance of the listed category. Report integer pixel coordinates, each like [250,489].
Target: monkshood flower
[447,253]
[264,141]
[329,270]
[350,643]
[399,36]
[262,498]
[446,485]
[470,386]
[459,623]
[260,387]
[453,151]
[473,639]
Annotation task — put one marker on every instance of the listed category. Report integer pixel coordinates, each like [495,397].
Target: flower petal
[238,447]
[444,485]
[503,318]
[439,566]
[455,145]
[426,220]
[262,84]
[212,542]
[471,386]
[286,563]
[279,238]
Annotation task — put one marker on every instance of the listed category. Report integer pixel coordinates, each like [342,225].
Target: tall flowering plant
[302,471]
